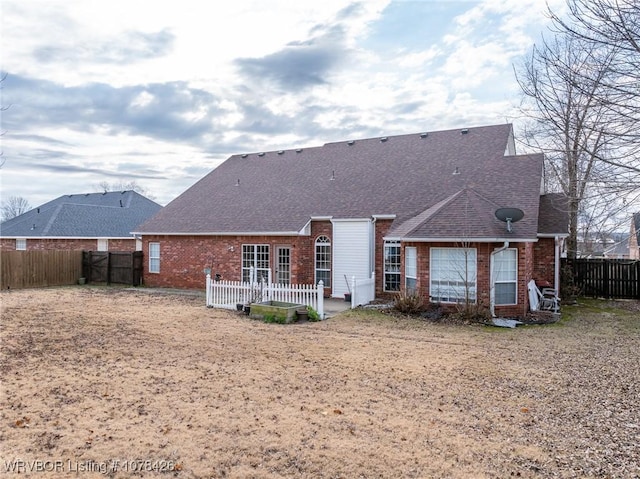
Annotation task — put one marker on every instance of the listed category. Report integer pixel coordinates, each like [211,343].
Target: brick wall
[381,229]
[183,259]
[544,260]
[483,251]
[70,244]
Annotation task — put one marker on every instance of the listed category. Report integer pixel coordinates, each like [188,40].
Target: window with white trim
[154,257]
[103,244]
[392,266]
[410,268]
[323,261]
[255,256]
[21,244]
[505,275]
[452,275]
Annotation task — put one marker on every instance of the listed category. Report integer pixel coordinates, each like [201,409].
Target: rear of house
[418,211]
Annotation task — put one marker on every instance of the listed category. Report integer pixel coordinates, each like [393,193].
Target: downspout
[492,294]
[372,245]
[556,266]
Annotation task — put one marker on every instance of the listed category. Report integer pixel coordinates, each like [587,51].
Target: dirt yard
[101,382]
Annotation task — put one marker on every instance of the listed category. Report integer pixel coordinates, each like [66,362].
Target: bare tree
[566,119]
[14,206]
[124,186]
[612,28]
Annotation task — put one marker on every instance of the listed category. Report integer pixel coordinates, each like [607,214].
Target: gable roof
[401,176]
[91,215]
[554,215]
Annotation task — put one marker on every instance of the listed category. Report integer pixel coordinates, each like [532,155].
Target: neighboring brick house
[91,221]
[634,237]
[417,209]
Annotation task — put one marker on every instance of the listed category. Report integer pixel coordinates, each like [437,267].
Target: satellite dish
[509,216]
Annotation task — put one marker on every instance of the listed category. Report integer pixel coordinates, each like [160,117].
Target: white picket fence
[363,291]
[228,294]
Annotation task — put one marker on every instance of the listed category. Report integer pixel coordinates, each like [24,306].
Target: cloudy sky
[162,92]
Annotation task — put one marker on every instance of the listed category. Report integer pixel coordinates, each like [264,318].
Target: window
[154,257]
[410,268]
[255,257]
[323,261]
[392,266]
[21,244]
[505,274]
[103,244]
[453,275]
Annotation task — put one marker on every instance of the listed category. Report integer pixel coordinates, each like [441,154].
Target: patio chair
[545,300]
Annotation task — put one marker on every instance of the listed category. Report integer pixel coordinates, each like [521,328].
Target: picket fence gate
[229,294]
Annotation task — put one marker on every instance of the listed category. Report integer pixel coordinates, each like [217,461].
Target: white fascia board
[225,233]
[459,240]
[349,220]
[384,217]
[553,235]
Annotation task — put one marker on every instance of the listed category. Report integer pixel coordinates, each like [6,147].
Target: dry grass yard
[102,382]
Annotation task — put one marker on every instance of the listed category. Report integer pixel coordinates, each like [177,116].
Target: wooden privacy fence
[122,267]
[606,278]
[36,269]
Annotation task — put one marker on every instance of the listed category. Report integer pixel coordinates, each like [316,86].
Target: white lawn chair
[545,300]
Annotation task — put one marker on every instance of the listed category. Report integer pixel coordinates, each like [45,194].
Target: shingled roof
[443,184]
[89,215]
[554,214]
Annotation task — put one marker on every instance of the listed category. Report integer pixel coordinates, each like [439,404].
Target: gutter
[492,294]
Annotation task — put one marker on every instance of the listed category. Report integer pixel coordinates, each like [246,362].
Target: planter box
[277,311]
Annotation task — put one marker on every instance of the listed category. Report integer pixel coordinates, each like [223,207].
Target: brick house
[418,210]
[91,221]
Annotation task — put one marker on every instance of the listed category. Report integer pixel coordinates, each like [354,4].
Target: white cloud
[167,89]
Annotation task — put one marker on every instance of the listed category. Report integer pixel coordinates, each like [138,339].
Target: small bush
[409,302]
[472,312]
[313,314]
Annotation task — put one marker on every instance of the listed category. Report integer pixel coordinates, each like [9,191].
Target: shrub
[313,314]
[409,302]
[472,312]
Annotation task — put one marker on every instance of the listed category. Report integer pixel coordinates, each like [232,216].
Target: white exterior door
[352,253]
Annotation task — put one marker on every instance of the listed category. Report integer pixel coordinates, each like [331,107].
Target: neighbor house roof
[90,215]
[441,184]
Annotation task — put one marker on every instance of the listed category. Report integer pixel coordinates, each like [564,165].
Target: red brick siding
[544,260]
[7,244]
[183,259]
[381,229]
[484,250]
